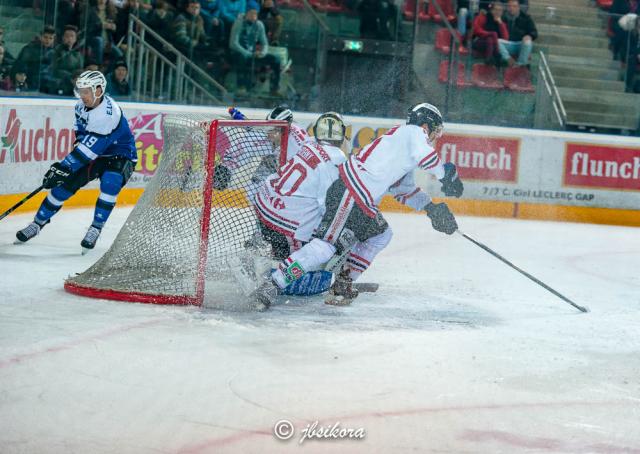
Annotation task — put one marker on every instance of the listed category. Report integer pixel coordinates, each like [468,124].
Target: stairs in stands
[572,36]
[20,24]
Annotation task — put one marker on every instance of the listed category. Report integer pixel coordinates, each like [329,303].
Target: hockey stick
[17,205]
[537,281]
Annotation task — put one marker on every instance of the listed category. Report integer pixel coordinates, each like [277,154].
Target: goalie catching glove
[57,175]
[442,219]
[451,183]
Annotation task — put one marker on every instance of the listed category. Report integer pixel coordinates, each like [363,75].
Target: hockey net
[192,217]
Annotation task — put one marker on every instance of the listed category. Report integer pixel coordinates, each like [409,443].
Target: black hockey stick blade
[366,287]
[17,205]
[523,272]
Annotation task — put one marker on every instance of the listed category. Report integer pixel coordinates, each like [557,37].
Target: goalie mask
[281,113]
[426,114]
[329,127]
[92,80]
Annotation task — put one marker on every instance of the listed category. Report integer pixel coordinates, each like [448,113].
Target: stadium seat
[604,4]
[409,9]
[447,9]
[443,74]
[518,78]
[443,43]
[486,76]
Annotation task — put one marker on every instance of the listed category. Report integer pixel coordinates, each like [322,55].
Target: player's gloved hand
[57,175]
[442,219]
[221,177]
[451,183]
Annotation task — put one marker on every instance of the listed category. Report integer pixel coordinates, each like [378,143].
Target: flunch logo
[481,158]
[21,144]
[601,166]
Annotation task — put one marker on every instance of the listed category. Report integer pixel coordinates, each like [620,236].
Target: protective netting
[160,254]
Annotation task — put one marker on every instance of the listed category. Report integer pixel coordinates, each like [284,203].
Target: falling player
[104,149]
[352,219]
[290,203]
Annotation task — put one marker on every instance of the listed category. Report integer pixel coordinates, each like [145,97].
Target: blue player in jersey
[104,149]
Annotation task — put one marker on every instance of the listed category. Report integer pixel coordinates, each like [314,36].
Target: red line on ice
[17,359]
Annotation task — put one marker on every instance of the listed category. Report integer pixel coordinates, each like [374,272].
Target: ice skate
[342,292]
[89,240]
[28,232]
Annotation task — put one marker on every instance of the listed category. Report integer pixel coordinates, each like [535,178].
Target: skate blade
[85,250]
[17,241]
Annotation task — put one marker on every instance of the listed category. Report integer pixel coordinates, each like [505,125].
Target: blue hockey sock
[51,204]
[110,185]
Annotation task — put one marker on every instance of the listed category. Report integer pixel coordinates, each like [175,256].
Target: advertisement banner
[496,164]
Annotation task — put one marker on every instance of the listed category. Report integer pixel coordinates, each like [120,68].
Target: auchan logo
[481,158]
[601,166]
[20,144]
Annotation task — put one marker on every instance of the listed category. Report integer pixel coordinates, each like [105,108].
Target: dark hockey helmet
[425,113]
[281,112]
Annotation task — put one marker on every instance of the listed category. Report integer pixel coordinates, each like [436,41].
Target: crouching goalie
[104,149]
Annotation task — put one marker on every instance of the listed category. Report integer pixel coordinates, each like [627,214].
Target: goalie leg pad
[310,257]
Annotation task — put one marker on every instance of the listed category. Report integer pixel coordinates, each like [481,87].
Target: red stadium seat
[486,76]
[443,42]
[604,4]
[518,78]
[443,74]
[409,9]
[447,9]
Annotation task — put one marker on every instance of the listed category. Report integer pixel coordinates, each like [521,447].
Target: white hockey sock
[363,253]
[310,257]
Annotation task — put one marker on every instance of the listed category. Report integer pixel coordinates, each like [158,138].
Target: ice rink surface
[456,353]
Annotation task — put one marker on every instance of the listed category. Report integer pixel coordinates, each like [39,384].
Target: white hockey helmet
[330,127]
[93,80]
[282,113]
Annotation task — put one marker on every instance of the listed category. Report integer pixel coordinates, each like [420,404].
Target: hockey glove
[441,218]
[451,183]
[221,177]
[56,176]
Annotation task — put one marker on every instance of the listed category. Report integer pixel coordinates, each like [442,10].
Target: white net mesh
[159,255]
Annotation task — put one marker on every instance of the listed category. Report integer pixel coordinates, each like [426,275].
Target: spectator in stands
[620,37]
[99,18]
[5,67]
[488,29]
[66,60]
[522,33]
[230,10]
[117,83]
[91,65]
[188,30]
[632,76]
[160,20]
[18,81]
[376,18]
[8,58]
[249,49]
[35,57]
[213,26]
[270,16]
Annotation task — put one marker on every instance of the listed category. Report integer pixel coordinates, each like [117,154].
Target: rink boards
[507,172]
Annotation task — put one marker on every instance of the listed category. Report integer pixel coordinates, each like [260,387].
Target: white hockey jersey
[297,137]
[292,201]
[408,193]
[385,161]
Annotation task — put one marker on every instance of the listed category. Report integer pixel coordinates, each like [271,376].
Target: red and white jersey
[408,193]
[297,137]
[386,160]
[292,201]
